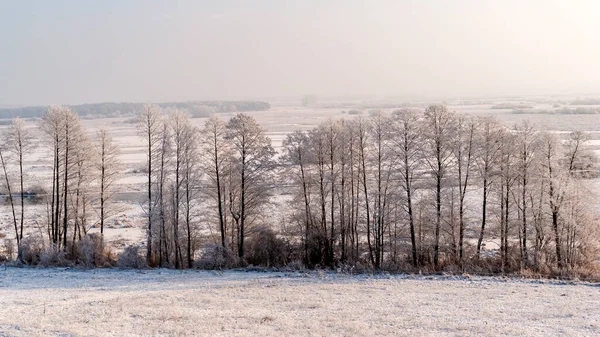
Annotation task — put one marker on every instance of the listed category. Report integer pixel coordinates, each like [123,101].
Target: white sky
[69,52]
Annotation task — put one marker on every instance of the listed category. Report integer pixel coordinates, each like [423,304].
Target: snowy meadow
[66,302]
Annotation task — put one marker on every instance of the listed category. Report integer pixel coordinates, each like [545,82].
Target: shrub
[52,257]
[130,258]
[90,251]
[295,265]
[9,250]
[266,249]
[32,249]
[214,256]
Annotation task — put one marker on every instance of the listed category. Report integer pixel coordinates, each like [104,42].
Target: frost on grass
[63,302]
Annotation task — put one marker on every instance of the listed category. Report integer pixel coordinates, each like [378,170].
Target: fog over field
[66,52]
[342,167]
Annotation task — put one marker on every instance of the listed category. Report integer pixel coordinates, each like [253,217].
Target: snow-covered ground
[58,302]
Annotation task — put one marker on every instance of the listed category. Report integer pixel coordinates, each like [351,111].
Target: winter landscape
[317,168]
[168,302]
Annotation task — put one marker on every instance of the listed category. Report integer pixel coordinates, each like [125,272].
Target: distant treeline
[195,108]
[586,101]
[561,111]
[503,106]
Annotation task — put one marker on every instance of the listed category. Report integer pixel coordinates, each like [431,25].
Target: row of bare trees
[221,173]
[405,190]
[413,189]
[434,189]
[84,170]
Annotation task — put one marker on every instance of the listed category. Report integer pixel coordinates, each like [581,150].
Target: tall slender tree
[252,165]
[527,142]
[148,126]
[489,144]
[21,142]
[464,154]
[407,144]
[216,153]
[108,167]
[438,130]
[296,155]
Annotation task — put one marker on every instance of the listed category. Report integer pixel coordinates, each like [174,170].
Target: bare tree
[253,164]
[18,235]
[557,181]
[362,138]
[179,127]
[191,185]
[318,156]
[346,193]
[84,155]
[508,157]
[580,162]
[62,126]
[163,159]
[381,162]
[354,172]
[50,124]
[21,142]
[438,146]
[464,153]
[577,217]
[72,131]
[216,152]
[148,126]
[526,140]
[184,141]
[332,132]
[407,142]
[296,155]
[72,134]
[108,167]
[489,139]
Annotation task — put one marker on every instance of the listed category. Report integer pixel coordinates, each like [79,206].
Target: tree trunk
[66,188]
[10,200]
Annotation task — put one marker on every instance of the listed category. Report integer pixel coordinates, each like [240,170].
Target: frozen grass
[40,302]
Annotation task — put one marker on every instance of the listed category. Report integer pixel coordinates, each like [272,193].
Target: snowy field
[58,302]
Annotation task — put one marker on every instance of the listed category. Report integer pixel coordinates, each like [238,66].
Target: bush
[32,249]
[130,258]
[266,249]
[90,251]
[55,258]
[295,265]
[9,250]
[214,256]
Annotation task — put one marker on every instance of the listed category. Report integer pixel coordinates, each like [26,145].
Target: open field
[58,302]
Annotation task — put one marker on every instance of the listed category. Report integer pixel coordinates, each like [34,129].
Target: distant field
[56,302]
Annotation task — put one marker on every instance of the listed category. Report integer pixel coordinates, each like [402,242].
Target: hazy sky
[68,52]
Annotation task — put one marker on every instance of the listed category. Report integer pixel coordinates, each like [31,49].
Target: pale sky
[71,52]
